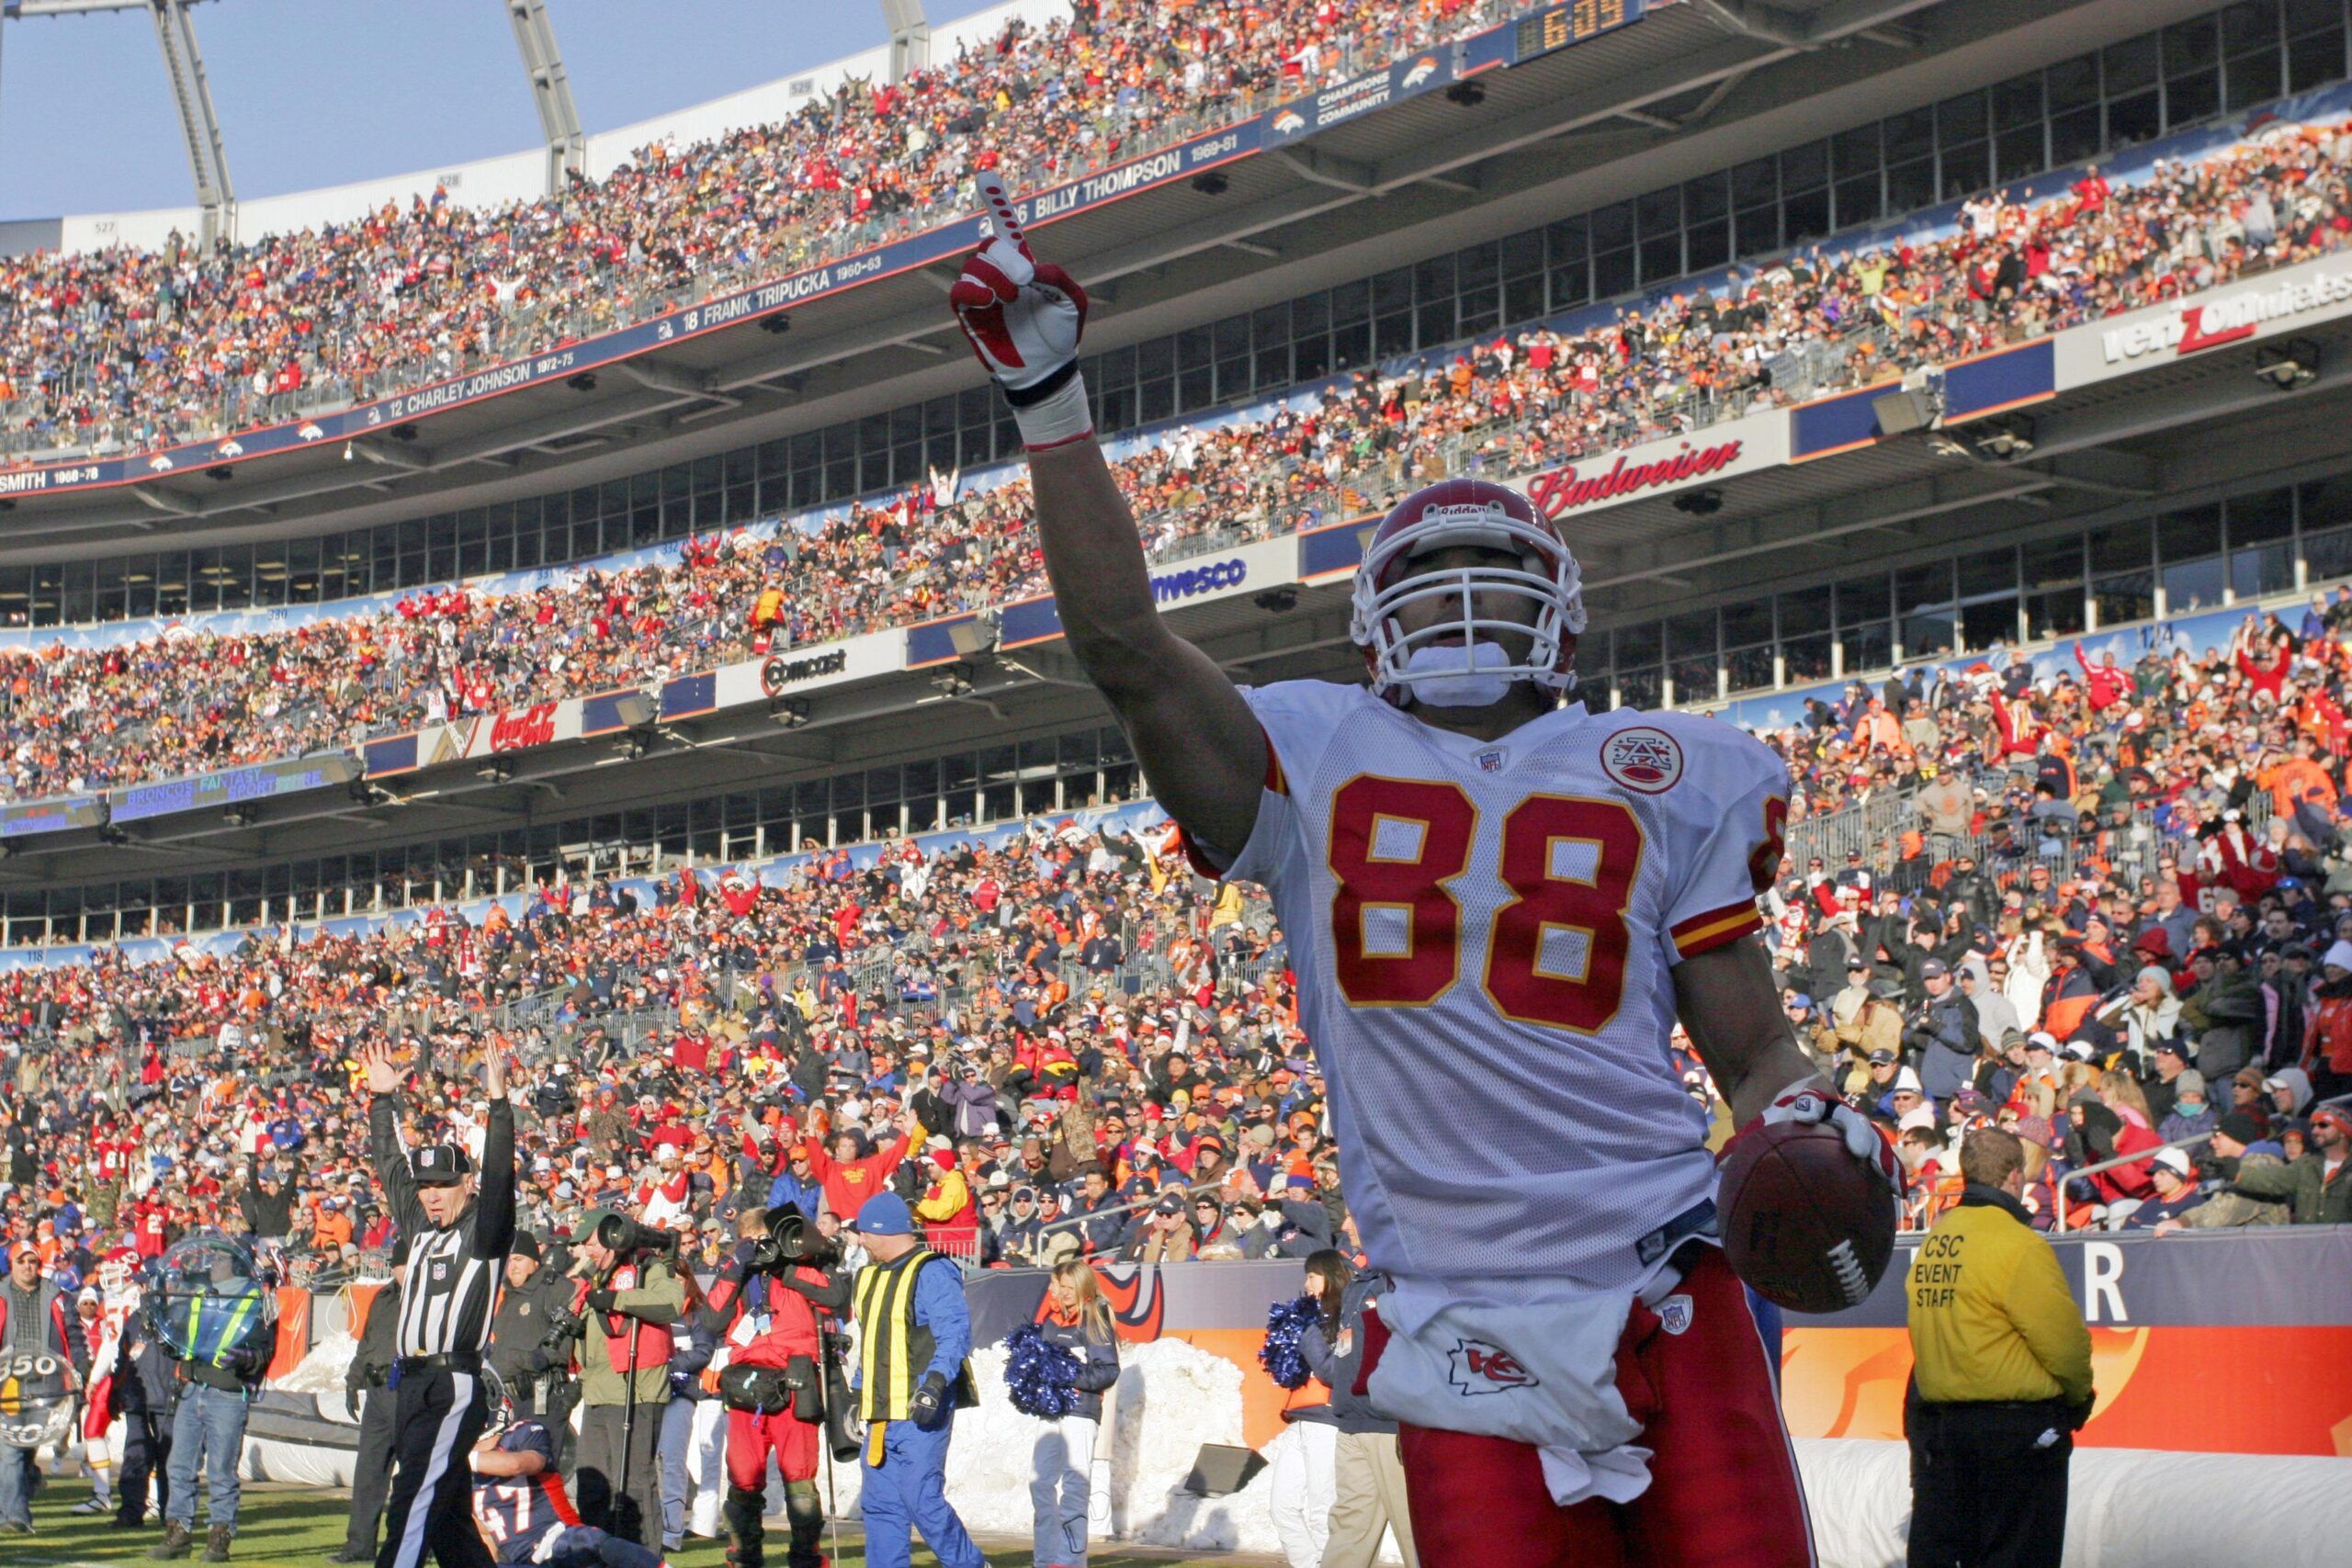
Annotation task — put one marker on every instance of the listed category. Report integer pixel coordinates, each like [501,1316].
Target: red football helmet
[1491,516]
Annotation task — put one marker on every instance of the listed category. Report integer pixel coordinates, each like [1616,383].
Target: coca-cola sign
[518,728]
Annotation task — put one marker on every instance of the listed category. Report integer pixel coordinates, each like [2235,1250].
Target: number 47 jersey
[1485,934]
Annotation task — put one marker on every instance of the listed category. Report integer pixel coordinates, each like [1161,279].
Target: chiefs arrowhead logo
[1475,1367]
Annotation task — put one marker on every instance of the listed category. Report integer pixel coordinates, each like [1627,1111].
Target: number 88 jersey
[1484,934]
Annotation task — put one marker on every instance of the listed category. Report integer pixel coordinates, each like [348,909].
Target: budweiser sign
[1569,488]
[518,728]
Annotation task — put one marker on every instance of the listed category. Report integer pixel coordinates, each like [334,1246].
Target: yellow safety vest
[893,1348]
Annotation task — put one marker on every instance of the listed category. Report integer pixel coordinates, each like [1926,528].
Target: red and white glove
[1806,1101]
[1024,319]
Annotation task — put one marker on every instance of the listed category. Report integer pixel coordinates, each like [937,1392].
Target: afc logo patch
[1646,761]
[1475,1367]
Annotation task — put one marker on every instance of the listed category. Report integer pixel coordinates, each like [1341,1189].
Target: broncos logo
[1132,1289]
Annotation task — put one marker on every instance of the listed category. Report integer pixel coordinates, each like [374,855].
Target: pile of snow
[1171,1398]
[322,1370]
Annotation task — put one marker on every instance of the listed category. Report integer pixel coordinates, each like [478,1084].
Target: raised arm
[494,1201]
[1199,746]
[1198,743]
[384,1138]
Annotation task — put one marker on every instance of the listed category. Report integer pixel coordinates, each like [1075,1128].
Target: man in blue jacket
[795,1186]
[914,1334]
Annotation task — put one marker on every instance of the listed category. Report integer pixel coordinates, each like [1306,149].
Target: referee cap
[439,1165]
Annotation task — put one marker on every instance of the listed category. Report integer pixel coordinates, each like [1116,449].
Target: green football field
[281,1527]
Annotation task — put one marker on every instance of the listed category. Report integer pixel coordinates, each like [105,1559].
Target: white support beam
[207,154]
[910,37]
[550,92]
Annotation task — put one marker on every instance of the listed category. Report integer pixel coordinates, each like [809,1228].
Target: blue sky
[317,92]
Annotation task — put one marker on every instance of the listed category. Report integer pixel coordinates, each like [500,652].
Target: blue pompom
[1285,1322]
[1041,1376]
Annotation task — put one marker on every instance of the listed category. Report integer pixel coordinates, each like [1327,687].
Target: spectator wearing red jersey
[849,1177]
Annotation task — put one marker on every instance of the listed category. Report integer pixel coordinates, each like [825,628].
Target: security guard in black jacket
[534,1295]
[368,1395]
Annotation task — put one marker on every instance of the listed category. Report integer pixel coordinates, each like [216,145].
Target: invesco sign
[1197,580]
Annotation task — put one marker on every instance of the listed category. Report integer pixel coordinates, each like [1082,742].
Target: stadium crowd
[145,348]
[2118,912]
[2115,911]
[1066,1026]
[80,719]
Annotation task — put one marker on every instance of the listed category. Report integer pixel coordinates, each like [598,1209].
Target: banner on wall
[60,814]
[2269,304]
[232,786]
[2183,1330]
[790,673]
[1737,447]
[509,730]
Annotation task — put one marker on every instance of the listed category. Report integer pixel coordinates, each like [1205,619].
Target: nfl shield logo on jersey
[1492,759]
[1674,1314]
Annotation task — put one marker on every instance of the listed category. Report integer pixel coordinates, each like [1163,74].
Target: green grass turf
[288,1527]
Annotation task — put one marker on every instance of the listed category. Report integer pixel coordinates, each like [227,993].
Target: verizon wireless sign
[2230,316]
[2276,303]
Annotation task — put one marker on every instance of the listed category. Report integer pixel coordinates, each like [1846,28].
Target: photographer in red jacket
[773,1382]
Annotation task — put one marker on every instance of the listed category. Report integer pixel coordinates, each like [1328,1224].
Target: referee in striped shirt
[456,1240]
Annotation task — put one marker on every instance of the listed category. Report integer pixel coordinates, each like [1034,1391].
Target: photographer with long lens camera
[629,1295]
[776,1382]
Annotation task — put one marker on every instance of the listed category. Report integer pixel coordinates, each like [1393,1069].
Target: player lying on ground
[1498,907]
[524,1511]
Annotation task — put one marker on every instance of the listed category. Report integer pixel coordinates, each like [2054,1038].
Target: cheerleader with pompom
[1059,1370]
[1300,1478]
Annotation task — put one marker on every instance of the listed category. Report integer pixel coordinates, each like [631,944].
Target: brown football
[1804,1223]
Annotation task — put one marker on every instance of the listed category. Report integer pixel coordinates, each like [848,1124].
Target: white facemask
[1447,675]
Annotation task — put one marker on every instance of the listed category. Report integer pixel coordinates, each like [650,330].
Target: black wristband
[1054,381]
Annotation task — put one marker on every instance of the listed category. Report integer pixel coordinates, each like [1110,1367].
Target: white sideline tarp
[2145,1508]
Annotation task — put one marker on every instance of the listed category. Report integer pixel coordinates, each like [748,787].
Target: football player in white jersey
[1498,907]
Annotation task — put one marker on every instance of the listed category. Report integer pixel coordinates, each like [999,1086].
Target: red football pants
[750,1438]
[1724,1486]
